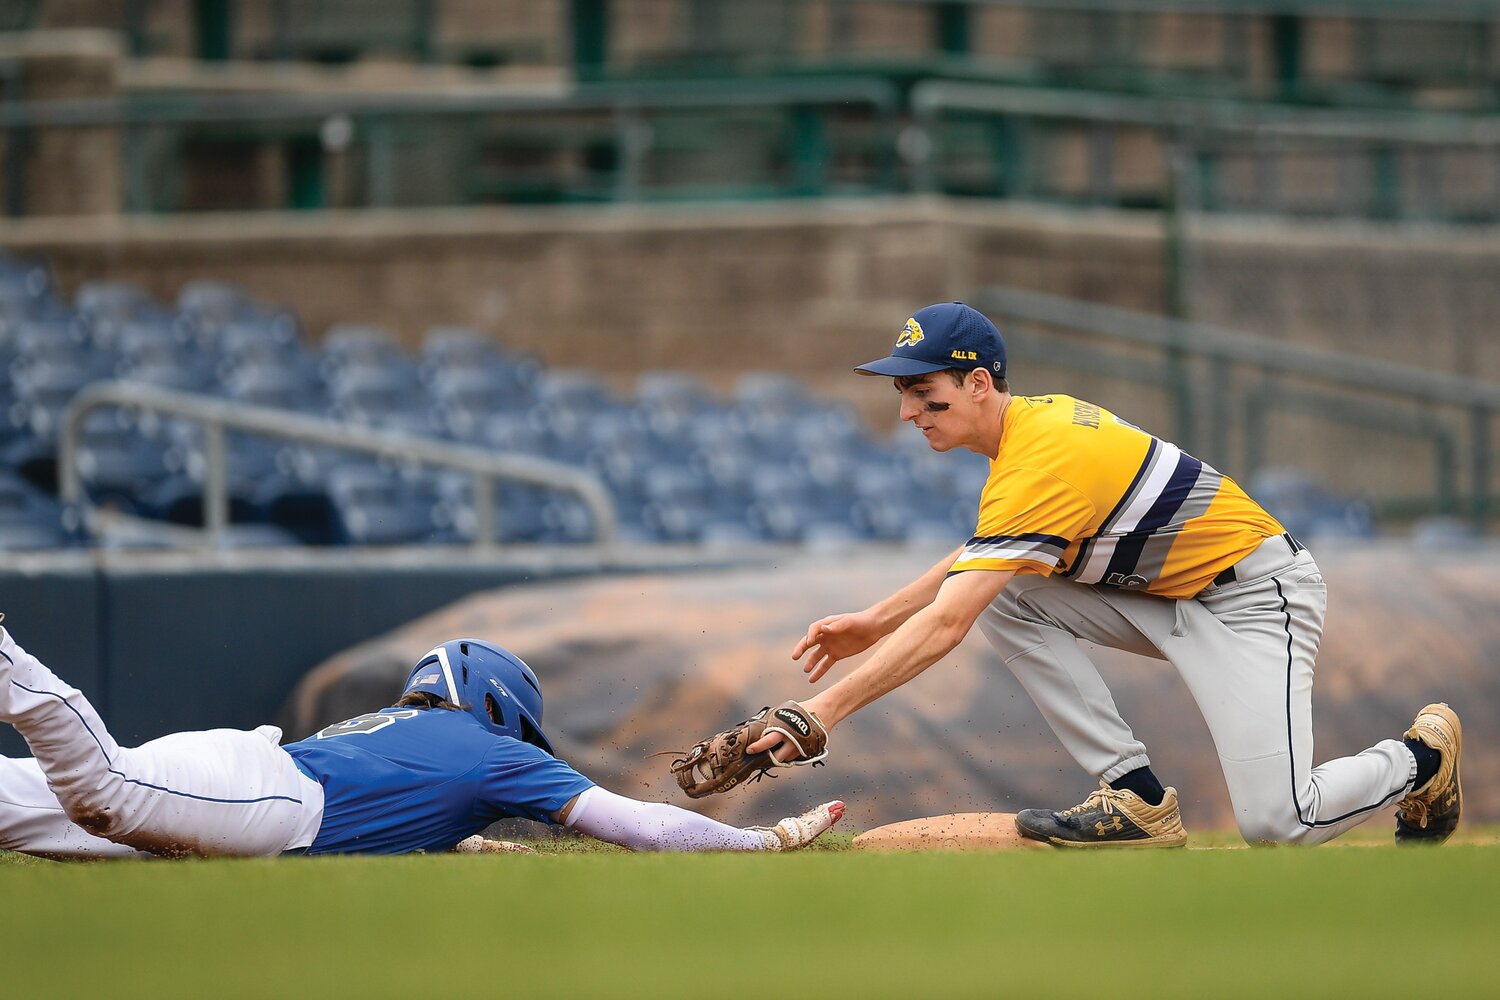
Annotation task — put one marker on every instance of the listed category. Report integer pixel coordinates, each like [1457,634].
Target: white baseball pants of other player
[1245,650]
[218,792]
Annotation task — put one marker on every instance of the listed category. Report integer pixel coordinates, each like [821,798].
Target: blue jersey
[407,779]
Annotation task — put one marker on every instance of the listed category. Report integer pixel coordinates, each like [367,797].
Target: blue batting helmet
[492,684]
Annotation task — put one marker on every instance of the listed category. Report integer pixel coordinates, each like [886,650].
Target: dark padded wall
[159,652]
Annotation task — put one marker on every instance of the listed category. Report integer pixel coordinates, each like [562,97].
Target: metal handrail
[624,104]
[1211,115]
[1232,345]
[261,107]
[1352,9]
[218,415]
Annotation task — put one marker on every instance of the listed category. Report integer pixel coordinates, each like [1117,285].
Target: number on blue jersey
[370,723]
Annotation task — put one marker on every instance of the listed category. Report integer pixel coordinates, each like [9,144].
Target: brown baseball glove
[720,762]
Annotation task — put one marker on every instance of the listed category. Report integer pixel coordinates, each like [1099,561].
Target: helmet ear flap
[493,710]
[529,734]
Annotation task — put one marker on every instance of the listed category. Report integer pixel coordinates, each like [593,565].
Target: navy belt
[1228,576]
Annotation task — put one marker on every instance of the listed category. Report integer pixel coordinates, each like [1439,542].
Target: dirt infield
[987,831]
[636,665]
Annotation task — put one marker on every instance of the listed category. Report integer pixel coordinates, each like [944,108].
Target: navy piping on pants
[1291,752]
[136,781]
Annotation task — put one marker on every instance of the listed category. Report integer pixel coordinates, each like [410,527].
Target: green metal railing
[1226,385]
[723,35]
[374,121]
[1197,135]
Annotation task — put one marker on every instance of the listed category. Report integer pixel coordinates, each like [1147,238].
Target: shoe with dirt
[1429,815]
[1109,817]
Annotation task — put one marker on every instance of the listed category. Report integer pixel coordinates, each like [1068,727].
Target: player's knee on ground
[1270,829]
[96,808]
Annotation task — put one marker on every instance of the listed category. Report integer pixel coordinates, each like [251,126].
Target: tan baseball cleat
[798,831]
[1109,817]
[1429,815]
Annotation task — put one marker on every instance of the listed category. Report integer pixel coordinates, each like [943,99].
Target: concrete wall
[70,171]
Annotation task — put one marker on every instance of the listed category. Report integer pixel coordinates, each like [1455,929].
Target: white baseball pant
[1245,650]
[219,792]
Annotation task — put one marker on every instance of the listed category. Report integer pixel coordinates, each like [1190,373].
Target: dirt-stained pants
[223,791]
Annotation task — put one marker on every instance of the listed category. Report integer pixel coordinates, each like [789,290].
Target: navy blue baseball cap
[946,335]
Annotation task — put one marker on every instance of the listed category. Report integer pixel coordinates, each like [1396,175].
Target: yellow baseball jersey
[1076,490]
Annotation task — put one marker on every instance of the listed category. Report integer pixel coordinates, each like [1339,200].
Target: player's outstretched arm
[479,844]
[921,641]
[838,637]
[656,826]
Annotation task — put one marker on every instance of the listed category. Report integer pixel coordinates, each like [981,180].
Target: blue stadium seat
[1307,508]
[31,519]
[212,305]
[574,390]
[25,289]
[150,341]
[348,345]
[118,463]
[42,393]
[519,513]
[510,432]
[451,350]
[280,384]
[178,499]
[377,507]
[58,341]
[157,354]
[462,398]
[24,275]
[380,395]
[771,391]
[106,306]
[296,500]
[673,390]
[259,340]
[445,347]
[524,514]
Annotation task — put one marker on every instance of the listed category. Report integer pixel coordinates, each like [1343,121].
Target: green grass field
[1265,923]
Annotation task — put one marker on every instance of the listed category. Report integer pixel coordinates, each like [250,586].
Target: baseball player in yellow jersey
[1090,528]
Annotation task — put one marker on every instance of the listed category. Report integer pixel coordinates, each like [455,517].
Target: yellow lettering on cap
[963,356]
[912,334]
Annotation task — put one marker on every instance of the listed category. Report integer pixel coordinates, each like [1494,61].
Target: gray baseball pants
[1245,650]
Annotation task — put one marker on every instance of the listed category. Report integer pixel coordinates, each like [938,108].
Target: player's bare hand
[829,640]
[782,748]
[477,844]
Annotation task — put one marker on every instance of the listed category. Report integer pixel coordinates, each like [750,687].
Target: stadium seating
[30,519]
[771,462]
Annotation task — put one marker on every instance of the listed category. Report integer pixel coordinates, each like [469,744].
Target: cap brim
[897,367]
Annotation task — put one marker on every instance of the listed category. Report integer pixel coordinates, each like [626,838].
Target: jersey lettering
[1085,414]
[372,722]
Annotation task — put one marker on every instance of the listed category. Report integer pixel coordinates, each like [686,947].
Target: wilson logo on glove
[793,719]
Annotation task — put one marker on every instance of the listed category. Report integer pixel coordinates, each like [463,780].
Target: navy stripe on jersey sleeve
[1031,546]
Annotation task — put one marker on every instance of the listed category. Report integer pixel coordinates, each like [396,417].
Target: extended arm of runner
[656,826]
